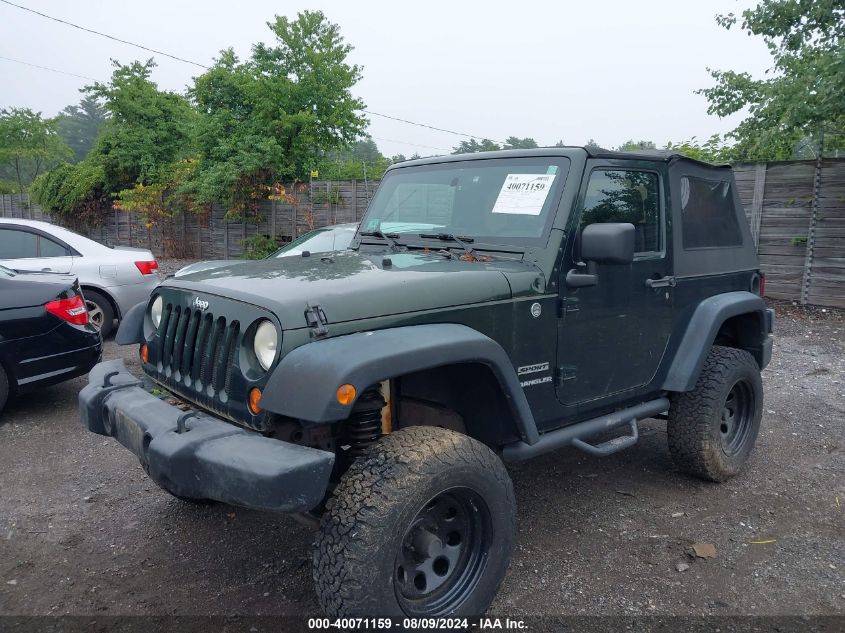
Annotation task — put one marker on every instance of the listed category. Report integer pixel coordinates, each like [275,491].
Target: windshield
[318,241]
[502,200]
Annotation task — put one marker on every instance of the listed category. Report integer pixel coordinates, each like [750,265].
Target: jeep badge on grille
[199,304]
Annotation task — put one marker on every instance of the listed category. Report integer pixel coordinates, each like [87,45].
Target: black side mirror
[611,243]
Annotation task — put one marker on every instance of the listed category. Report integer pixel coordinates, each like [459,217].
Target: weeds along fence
[210,235]
[796,210]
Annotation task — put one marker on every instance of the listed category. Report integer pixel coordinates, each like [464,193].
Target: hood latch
[316,320]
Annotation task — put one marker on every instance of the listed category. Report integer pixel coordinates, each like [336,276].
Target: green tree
[713,150]
[591,144]
[80,125]
[148,129]
[632,146]
[804,95]
[514,142]
[471,146]
[28,145]
[271,117]
[140,155]
[353,163]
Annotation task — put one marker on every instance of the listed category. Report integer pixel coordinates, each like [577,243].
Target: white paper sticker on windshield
[524,194]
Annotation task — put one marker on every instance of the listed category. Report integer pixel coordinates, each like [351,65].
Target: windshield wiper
[390,238]
[462,241]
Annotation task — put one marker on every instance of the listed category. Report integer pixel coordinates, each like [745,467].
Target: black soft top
[666,156]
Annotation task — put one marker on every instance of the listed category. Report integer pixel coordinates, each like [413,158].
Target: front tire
[422,524]
[712,429]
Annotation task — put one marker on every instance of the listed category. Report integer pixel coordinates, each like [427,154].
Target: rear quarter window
[708,214]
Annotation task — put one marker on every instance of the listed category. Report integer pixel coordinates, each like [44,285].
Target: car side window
[49,248]
[15,244]
[617,195]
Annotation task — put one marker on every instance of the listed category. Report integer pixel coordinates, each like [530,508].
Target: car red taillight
[147,267]
[72,310]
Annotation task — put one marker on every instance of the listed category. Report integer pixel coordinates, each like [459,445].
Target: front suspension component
[364,422]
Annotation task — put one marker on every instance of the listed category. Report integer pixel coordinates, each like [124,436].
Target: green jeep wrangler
[492,307]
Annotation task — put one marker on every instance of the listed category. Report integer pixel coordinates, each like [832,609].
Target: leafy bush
[75,193]
[330,196]
[259,247]
[8,186]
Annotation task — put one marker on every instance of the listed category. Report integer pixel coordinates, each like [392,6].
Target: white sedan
[113,279]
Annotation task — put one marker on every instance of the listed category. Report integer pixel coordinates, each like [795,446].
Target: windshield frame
[563,163]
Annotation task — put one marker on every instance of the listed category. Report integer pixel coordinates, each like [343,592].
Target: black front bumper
[199,456]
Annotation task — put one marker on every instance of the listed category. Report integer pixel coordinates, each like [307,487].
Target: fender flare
[305,382]
[131,328]
[701,331]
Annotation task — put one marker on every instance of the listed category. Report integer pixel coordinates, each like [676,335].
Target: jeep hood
[351,286]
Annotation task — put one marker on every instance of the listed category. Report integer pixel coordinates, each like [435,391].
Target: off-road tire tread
[376,480]
[690,415]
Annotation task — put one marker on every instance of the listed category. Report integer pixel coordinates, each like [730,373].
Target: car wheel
[4,388]
[100,311]
[421,525]
[712,429]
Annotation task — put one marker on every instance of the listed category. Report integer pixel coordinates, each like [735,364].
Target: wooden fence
[797,214]
[210,236]
[796,210]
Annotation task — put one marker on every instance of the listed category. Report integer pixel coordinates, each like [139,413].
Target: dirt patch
[84,531]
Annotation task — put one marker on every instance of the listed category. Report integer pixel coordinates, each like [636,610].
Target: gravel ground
[84,532]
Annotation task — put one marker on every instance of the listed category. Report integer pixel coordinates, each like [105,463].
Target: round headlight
[155,311]
[264,343]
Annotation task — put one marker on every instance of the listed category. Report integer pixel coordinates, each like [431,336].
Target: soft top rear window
[708,214]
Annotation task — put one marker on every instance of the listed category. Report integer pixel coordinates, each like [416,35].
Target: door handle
[47,270]
[663,282]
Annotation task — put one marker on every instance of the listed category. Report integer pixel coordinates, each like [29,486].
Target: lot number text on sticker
[524,194]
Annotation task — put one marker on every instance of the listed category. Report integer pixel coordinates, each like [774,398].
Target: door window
[16,244]
[616,195]
[49,248]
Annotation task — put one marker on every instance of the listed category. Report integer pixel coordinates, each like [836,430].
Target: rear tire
[712,429]
[100,311]
[421,525]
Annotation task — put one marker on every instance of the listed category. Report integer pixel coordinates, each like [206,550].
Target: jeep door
[612,335]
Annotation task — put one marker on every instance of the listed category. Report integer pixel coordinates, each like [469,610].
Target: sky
[572,71]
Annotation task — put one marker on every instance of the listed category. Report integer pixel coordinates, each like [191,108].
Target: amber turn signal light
[346,394]
[145,353]
[255,400]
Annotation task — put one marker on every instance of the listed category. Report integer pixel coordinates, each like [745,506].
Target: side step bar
[575,434]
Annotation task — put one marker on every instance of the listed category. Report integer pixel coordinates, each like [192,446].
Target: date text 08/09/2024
[458,624]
